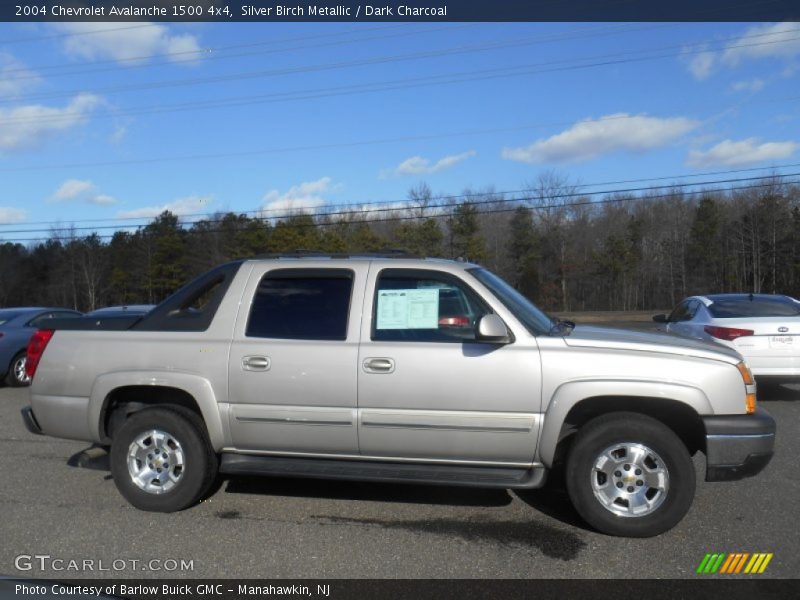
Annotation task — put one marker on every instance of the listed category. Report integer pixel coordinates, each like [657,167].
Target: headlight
[749,386]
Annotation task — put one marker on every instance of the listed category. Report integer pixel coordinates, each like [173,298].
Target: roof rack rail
[303,253]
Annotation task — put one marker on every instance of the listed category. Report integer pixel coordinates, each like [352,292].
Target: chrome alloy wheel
[19,370]
[155,461]
[630,479]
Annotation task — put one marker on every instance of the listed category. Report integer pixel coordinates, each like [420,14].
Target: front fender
[571,393]
[196,386]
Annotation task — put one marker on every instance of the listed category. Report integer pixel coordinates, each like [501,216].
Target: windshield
[534,320]
[753,306]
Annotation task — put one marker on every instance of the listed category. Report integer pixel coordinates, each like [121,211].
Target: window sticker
[408,309]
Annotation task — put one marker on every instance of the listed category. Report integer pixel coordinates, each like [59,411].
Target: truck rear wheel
[161,459]
[630,475]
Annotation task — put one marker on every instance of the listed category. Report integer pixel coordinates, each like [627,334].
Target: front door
[427,390]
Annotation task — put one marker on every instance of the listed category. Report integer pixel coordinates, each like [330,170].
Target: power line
[465,195]
[212,53]
[441,204]
[394,218]
[317,93]
[701,47]
[217,53]
[331,146]
[73,34]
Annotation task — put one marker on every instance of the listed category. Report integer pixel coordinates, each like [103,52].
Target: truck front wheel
[161,459]
[630,475]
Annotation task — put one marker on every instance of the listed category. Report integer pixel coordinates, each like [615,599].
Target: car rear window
[7,315]
[733,308]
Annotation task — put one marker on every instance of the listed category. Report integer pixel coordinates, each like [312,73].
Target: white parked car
[763,328]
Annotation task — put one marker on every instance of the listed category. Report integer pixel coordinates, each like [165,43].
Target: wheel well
[124,401]
[679,417]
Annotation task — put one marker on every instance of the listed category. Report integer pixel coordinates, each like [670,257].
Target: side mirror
[491,329]
[660,318]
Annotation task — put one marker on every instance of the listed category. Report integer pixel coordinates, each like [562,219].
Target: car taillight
[727,333]
[36,346]
[457,321]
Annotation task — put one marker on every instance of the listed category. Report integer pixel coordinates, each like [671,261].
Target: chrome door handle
[255,363]
[378,365]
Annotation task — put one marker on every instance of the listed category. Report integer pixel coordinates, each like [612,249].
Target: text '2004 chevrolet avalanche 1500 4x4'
[395,369]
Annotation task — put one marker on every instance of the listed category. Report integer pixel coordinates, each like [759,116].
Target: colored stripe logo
[734,563]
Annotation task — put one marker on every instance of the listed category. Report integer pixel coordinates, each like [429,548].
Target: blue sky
[283,112]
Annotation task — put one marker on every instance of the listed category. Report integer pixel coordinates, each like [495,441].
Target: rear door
[292,365]
[427,390]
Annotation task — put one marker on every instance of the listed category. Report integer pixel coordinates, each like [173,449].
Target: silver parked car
[17,325]
[763,328]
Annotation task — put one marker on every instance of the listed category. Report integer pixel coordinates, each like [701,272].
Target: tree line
[565,250]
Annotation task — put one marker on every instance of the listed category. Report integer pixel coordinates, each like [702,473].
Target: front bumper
[738,446]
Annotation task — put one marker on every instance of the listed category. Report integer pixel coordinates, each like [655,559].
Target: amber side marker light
[749,386]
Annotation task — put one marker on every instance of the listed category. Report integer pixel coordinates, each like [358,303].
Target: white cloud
[774,40]
[15,77]
[750,85]
[10,215]
[98,41]
[418,165]
[730,153]
[82,190]
[701,65]
[24,127]
[119,133]
[298,197]
[766,40]
[180,207]
[72,188]
[591,138]
[102,200]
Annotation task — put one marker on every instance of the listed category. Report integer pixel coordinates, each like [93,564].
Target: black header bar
[407,10]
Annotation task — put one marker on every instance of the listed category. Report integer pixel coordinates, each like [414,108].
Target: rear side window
[757,307]
[302,304]
[683,312]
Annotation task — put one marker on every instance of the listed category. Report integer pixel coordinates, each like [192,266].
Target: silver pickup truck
[395,369]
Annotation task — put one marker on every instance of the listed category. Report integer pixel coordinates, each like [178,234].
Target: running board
[360,470]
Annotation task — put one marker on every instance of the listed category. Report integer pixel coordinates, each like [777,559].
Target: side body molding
[569,394]
[196,386]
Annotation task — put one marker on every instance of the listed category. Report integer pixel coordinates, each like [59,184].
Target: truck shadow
[554,502]
[777,391]
[94,457]
[355,490]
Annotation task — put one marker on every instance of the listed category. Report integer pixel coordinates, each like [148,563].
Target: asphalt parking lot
[282,528]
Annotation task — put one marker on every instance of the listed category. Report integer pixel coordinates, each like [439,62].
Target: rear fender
[197,387]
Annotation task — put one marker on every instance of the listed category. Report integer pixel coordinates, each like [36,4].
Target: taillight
[457,321]
[36,346]
[727,333]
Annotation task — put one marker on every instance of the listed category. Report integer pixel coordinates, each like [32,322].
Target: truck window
[424,306]
[302,304]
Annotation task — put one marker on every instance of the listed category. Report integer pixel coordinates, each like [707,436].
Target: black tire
[619,428]
[11,377]
[200,461]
